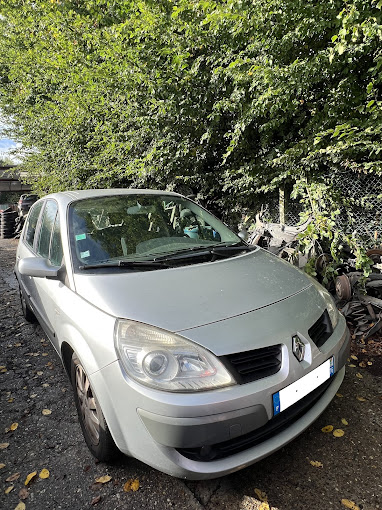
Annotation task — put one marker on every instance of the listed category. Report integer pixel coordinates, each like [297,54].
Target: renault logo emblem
[298,347]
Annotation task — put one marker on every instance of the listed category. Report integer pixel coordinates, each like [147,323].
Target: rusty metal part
[322,261]
[362,315]
[343,287]
[358,315]
[375,255]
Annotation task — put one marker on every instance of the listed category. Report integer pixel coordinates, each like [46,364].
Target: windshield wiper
[200,251]
[134,264]
[232,247]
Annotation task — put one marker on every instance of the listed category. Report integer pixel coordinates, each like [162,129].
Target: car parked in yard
[25,203]
[186,348]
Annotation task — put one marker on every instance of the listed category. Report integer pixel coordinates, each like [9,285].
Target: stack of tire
[7,224]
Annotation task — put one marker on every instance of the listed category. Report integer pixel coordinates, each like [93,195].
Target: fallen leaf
[3,446]
[13,426]
[44,473]
[95,500]
[46,412]
[361,399]
[3,370]
[30,477]
[10,400]
[362,364]
[360,376]
[264,506]
[103,479]
[18,344]
[9,489]
[338,433]
[44,354]
[131,485]
[39,372]
[1,367]
[45,385]
[261,495]
[327,429]
[369,363]
[20,506]
[2,466]
[339,395]
[354,357]
[344,422]
[23,493]
[352,366]
[316,463]
[349,504]
[13,477]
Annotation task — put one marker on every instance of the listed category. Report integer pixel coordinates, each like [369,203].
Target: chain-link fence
[361,211]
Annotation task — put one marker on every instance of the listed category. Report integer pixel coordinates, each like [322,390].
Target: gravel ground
[32,380]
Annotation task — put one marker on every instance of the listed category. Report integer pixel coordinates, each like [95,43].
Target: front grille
[321,330]
[274,426]
[253,365]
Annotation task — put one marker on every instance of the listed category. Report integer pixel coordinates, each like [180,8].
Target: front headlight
[167,361]
[329,301]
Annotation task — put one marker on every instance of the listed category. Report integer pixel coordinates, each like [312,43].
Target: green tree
[227,99]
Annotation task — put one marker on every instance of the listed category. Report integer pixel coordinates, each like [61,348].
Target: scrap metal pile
[359,298]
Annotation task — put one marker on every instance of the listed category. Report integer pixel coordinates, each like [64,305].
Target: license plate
[299,389]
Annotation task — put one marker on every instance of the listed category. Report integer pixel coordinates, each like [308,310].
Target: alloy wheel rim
[88,405]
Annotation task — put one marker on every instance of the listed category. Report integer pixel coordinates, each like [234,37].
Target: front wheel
[92,420]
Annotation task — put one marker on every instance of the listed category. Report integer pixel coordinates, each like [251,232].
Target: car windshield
[141,227]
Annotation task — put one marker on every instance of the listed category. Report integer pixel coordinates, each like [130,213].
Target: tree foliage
[226,98]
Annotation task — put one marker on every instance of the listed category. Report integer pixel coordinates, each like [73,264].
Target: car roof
[66,197]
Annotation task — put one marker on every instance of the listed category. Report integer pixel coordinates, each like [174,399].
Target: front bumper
[181,433]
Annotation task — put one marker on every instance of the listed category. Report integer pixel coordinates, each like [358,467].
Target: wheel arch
[66,355]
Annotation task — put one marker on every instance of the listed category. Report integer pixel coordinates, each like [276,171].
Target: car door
[26,248]
[47,291]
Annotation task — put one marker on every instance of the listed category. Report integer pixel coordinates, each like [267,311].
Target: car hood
[190,296]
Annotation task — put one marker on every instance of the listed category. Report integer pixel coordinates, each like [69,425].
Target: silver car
[186,348]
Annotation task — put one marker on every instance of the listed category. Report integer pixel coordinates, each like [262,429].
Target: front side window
[47,222]
[30,228]
[56,253]
[140,227]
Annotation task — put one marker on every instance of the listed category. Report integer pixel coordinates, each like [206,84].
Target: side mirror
[37,266]
[243,234]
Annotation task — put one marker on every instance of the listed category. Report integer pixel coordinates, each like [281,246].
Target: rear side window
[32,223]
[47,222]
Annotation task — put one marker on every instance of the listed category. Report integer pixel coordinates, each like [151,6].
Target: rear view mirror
[37,266]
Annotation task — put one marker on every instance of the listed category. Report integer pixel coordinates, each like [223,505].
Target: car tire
[28,314]
[92,421]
